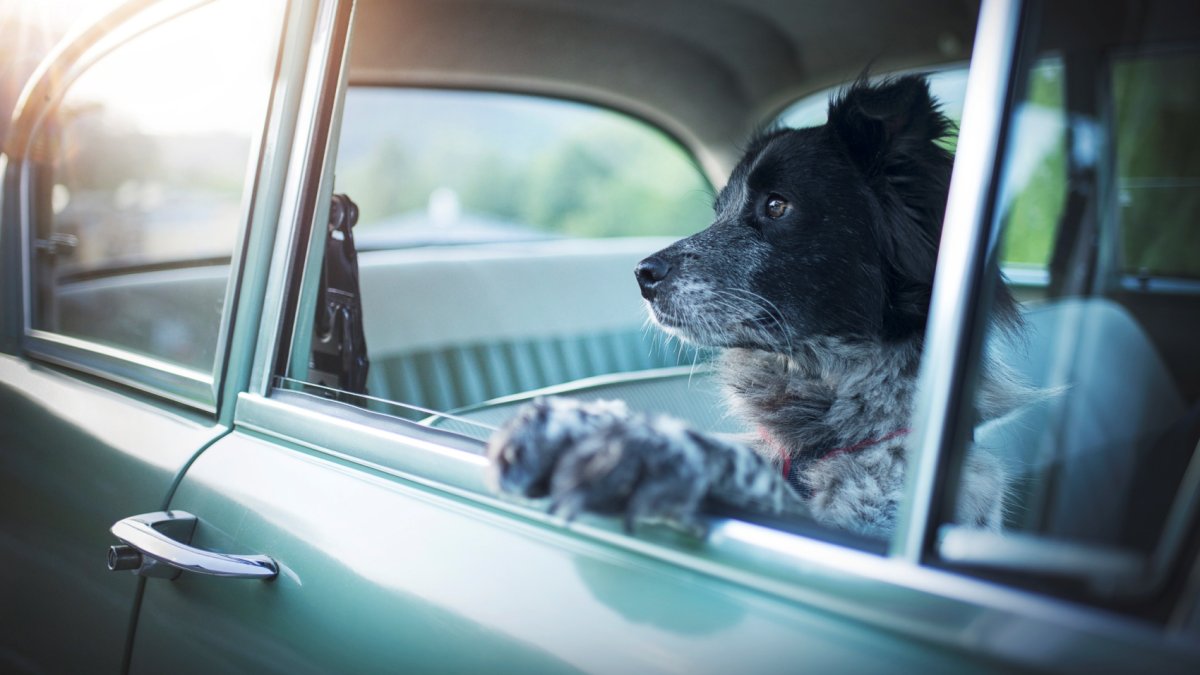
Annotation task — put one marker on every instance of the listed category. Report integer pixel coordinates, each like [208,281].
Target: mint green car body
[393,554]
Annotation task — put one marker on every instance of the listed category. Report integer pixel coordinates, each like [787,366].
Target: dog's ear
[890,131]
[883,124]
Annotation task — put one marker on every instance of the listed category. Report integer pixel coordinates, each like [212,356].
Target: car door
[128,180]
[385,550]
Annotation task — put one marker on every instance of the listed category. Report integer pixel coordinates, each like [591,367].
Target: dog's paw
[598,458]
[523,453]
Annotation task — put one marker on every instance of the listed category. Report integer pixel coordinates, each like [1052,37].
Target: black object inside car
[339,346]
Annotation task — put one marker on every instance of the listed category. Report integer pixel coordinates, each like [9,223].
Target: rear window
[497,238]
[429,166]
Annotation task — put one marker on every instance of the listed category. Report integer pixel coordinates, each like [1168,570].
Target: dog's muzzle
[650,273]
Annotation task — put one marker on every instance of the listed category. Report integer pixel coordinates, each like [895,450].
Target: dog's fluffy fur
[814,283]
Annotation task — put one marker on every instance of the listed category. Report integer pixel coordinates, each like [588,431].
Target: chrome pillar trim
[956,282]
[168,380]
[12,299]
[255,298]
[161,539]
[1105,569]
[326,46]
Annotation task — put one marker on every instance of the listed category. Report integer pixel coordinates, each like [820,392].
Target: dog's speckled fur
[814,282]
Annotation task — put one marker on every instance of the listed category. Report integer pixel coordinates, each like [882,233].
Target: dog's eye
[777,207]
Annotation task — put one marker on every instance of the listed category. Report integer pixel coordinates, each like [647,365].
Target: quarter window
[140,189]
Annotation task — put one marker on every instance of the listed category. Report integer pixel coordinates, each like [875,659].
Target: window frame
[959,277]
[175,382]
[898,590]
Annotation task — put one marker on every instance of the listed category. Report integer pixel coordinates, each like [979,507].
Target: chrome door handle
[157,545]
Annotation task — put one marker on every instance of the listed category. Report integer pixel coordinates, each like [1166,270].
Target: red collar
[861,445]
[786,456]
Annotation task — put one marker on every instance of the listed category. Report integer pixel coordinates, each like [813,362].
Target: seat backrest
[453,326]
[173,313]
[1082,446]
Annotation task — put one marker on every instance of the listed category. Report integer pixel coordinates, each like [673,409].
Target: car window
[144,185]
[948,86]
[1085,399]
[496,240]
[1158,163]
[442,167]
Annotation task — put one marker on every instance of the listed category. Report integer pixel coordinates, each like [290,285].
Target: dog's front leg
[599,457]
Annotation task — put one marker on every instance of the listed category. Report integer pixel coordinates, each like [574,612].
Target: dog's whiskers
[760,306]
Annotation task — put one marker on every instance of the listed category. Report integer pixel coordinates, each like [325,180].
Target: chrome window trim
[11,271]
[300,346]
[143,372]
[1107,570]
[957,278]
[257,298]
[286,260]
[924,603]
[146,373]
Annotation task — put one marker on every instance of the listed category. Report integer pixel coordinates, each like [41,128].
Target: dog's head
[826,231]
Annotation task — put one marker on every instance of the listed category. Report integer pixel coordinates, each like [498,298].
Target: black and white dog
[814,282]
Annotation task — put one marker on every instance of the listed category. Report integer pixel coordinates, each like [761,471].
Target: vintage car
[271,272]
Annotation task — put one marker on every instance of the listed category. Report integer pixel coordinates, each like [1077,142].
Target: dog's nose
[650,272]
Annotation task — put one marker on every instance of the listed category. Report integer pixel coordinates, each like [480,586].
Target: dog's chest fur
[831,394]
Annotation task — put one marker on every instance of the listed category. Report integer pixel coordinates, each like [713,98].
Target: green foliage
[613,179]
[1158,163]
[1035,210]
[608,176]
[1157,151]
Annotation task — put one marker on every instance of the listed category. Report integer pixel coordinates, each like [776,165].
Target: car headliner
[706,71]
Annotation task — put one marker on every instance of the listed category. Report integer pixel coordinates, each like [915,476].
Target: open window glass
[1092,401]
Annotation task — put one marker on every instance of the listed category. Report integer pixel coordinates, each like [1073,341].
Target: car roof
[706,71]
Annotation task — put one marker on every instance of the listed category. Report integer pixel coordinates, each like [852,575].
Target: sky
[144,90]
[30,29]
[38,24]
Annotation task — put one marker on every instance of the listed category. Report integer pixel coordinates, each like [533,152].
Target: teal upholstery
[1076,452]
[455,376]
[453,326]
